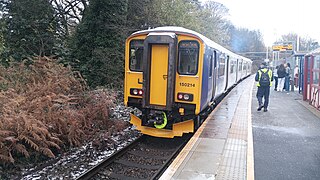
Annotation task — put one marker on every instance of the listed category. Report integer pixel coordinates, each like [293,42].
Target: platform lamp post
[273,58]
[298,43]
[267,59]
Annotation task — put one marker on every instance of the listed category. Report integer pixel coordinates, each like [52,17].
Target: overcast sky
[276,17]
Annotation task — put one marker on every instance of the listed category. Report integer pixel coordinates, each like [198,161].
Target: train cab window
[188,57]
[136,55]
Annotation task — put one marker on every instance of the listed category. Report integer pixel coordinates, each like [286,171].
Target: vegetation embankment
[45,108]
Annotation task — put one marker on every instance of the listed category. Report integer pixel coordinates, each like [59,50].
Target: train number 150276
[187,84]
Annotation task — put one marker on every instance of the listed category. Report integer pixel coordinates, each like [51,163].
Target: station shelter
[311,83]
[297,59]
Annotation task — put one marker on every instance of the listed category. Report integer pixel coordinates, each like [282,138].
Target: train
[174,75]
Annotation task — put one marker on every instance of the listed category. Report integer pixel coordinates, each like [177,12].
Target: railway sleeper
[143,154]
[121,176]
[137,165]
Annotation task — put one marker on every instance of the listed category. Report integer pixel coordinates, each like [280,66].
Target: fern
[6,158]
[21,149]
[47,152]
[55,140]
[5,132]
[45,106]
[53,144]
[36,136]
[30,142]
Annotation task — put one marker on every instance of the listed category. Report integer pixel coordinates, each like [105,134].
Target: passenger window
[240,66]
[188,57]
[221,66]
[136,55]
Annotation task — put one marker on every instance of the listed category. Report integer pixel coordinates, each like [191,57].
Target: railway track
[145,158]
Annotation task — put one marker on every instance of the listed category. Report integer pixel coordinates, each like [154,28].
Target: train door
[159,71]
[215,75]
[221,76]
[240,69]
[232,77]
[158,76]
[246,67]
[237,71]
[227,61]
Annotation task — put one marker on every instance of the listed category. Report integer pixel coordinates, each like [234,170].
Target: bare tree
[69,14]
[305,43]
[214,20]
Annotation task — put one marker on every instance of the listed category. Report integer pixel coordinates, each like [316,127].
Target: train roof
[181,30]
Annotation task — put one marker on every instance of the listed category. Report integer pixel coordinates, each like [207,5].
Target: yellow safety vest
[260,73]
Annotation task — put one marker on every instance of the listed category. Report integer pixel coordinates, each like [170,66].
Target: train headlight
[185,97]
[136,92]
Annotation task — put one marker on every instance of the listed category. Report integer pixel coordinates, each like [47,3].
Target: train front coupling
[157,119]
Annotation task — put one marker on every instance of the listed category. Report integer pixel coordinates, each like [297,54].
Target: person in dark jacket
[281,77]
[264,78]
[275,77]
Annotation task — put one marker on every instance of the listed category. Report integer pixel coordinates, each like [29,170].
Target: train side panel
[208,71]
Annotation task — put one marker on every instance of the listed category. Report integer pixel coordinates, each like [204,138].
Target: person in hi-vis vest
[264,78]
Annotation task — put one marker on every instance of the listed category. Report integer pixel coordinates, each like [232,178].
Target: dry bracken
[44,107]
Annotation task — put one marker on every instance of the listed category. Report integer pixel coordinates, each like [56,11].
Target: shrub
[45,107]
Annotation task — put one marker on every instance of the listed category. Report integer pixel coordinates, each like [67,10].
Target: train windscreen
[188,57]
[136,55]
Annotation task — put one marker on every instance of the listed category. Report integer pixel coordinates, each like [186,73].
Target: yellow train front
[171,76]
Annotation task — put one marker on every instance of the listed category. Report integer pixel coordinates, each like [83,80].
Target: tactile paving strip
[234,164]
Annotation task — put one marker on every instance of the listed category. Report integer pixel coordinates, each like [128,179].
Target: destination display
[282,46]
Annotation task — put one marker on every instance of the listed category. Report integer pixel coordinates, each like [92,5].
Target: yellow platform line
[250,155]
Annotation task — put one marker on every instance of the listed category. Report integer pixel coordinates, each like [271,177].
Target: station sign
[282,46]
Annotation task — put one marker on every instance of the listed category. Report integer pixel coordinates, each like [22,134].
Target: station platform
[238,142]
